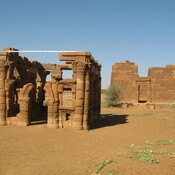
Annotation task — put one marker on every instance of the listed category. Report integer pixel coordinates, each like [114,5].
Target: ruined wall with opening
[158,87]
[25,96]
[21,88]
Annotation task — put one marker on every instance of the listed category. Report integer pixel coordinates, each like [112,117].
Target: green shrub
[113,94]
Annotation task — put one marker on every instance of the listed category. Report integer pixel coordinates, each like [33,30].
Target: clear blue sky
[142,31]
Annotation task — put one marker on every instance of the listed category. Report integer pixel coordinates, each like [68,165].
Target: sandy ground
[37,150]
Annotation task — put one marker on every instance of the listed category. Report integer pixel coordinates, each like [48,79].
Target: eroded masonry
[26,97]
[158,87]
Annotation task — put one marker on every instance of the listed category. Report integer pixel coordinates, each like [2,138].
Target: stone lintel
[74,56]
[49,66]
[64,66]
[70,81]
[67,108]
[140,79]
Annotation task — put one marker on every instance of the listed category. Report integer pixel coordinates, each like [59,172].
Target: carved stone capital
[79,67]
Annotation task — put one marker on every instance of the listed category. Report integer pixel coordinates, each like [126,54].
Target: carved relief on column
[79,69]
[25,106]
[3,71]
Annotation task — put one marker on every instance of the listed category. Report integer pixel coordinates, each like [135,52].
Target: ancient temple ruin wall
[163,84]
[124,75]
[158,87]
[25,96]
[21,84]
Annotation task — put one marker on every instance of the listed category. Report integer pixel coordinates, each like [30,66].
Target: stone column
[92,94]
[2,94]
[53,101]
[9,97]
[86,101]
[95,97]
[25,107]
[79,70]
[99,97]
[52,118]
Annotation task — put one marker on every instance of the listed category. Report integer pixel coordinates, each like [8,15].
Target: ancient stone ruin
[25,96]
[158,87]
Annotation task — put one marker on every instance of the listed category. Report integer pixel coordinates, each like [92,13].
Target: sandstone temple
[26,96]
[158,87]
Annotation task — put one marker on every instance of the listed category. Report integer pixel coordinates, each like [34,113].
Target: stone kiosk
[74,103]
[25,96]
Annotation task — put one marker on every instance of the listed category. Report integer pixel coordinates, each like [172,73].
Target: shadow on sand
[110,120]
[106,120]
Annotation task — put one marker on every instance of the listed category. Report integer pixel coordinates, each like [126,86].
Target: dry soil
[37,150]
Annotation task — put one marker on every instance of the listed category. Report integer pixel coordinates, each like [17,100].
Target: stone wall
[158,87]
[163,83]
[124,75]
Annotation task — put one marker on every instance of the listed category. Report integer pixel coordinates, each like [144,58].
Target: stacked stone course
[158,87]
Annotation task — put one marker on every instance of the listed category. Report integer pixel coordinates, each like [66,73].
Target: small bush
[113,94]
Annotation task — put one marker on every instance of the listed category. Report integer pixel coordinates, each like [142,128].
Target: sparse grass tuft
[148,114]
[112,172]
[143,154]
[172,106]
[141,115]
[167,142]
[151,143]
[97,174]
[166,153]
[137,115]
[101,165]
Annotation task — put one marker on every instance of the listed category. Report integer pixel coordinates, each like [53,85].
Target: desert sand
[37,150]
